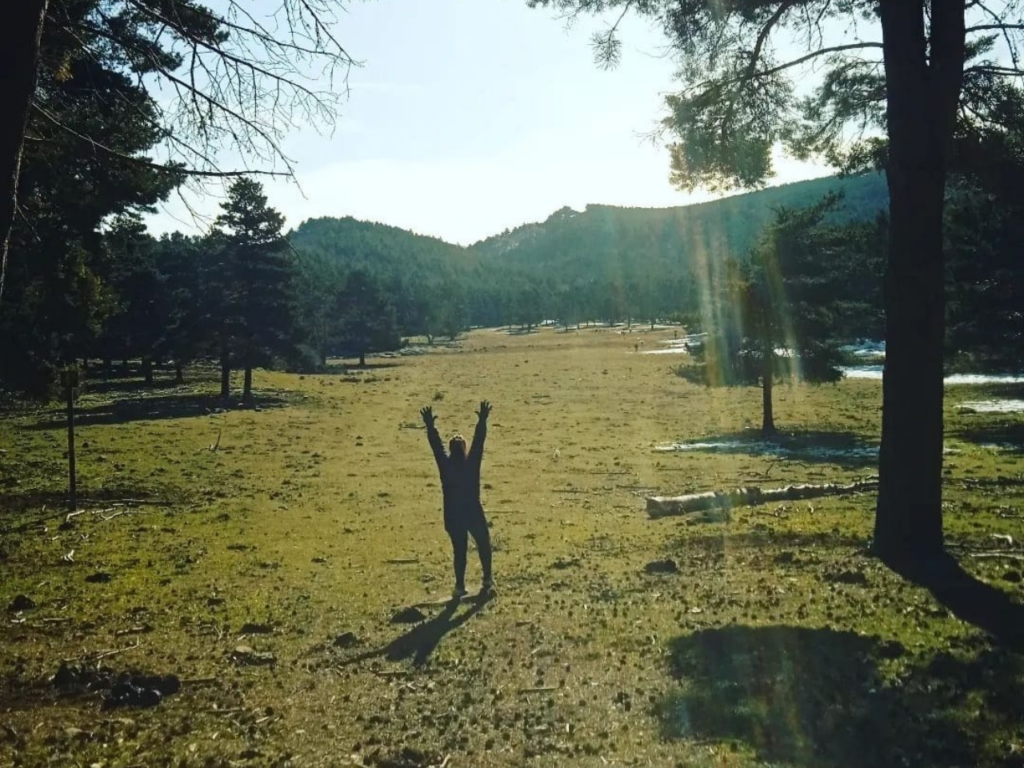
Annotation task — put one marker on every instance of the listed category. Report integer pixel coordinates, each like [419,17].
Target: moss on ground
[267,576]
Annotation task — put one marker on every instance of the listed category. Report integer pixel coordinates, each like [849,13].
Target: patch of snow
[774,449]
[865,348]
[993,406]
[770,449]
[875,372]
[985,378]
[862,371]
[678,346]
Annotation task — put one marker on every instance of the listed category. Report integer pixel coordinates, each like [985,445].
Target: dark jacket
[460,478]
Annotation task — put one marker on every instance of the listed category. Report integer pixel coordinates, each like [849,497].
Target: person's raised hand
[485,410]
[428,416]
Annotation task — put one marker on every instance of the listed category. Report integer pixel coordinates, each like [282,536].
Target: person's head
[457,447]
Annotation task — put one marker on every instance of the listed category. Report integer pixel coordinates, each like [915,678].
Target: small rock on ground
[21,603]
[662,566]
[345,640]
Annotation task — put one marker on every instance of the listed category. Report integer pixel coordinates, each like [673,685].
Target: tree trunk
[106,367]
[922,102]
[147,369]
[179,373]
[767,382]
[247,381]
[124,365]
[225,368]
[362,359]
[19,60]
[247,386]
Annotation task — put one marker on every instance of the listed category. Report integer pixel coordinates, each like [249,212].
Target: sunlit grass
[293,520]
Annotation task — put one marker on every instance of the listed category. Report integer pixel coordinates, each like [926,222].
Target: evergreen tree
[786,306]
[238,80]
[258,273]
[368,319]
[56,301]
[139,322]
[187,332]
[320,284]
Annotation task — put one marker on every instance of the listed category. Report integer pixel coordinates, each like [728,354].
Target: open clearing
[269,580]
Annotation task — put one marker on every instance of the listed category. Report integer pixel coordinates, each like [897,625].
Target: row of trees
[239,295]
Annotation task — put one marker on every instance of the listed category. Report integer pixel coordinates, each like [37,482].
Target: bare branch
[141,161]
[765,31]
[782,67]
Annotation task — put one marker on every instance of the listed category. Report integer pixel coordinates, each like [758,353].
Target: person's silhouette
[460,482]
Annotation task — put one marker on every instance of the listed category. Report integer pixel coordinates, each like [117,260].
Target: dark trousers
[459,527]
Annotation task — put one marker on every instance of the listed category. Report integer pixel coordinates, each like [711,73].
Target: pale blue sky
[472,116]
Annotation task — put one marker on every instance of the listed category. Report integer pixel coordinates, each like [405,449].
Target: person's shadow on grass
[422,640]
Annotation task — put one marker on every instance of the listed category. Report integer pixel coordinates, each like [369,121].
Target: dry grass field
[267,577]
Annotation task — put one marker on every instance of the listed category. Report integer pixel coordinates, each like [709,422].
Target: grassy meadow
[267,575]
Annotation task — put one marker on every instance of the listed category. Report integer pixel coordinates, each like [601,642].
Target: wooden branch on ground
[664,506]
[140,502]
[1003,555]
[102,654]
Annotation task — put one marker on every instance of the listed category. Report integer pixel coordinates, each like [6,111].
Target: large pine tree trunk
[179,373]
[20,34]
[362,359]
[147,369]
[922,101]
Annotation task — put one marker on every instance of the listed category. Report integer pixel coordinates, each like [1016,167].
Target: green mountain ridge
[605,261]
[732,222]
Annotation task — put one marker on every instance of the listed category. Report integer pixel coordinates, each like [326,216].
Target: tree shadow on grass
[97,385]
[55,501]
[970,599]
[1008,391]
[335,367]
[422,640]
[156,408]
[1008,435]
[814,446]
[816,697]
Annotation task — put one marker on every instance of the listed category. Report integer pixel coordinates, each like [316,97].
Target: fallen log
[664,506]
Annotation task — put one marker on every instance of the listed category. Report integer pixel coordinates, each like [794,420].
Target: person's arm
[432,437]
[476,451]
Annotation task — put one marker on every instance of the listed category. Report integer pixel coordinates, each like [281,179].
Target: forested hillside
[604,263]
[729,226]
